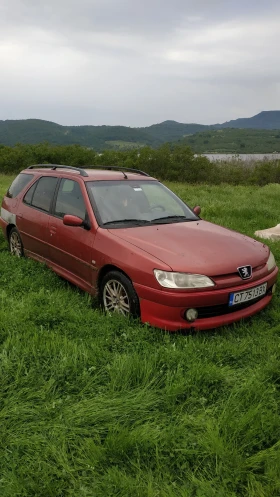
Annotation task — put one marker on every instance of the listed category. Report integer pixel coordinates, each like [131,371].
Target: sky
[122,62]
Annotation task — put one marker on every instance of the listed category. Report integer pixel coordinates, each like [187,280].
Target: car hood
[197,247]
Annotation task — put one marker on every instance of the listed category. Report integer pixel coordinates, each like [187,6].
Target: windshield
[136,203]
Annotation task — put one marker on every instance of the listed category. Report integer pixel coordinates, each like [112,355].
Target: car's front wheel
[117,294]
[15,243]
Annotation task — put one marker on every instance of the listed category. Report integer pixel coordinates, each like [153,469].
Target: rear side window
[29,194]
[43,195]
[19,184]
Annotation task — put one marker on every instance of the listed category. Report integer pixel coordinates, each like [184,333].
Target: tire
[117,294]
[15,243]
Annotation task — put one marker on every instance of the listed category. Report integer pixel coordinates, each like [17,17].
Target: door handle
[53,230]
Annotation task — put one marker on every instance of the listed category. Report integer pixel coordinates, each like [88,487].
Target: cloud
[117,62]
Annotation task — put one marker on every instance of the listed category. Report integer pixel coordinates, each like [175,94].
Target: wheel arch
[9,229]
[105,270]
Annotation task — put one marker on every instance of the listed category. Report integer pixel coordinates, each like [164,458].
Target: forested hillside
[235,141]
[34,131]
[99,138]
[264,120]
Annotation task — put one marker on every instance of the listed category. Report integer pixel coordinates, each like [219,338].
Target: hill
[234,141]
[264,120]
[32,131]
[172,130]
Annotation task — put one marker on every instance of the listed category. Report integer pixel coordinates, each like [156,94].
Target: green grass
[92,405]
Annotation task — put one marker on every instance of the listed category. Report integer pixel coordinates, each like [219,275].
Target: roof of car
[104,173]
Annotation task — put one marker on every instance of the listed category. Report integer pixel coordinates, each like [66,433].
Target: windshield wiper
[120,221]
[167,218]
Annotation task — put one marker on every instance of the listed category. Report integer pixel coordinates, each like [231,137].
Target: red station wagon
[121,234]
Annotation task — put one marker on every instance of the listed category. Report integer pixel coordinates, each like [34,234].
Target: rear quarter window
[19,184]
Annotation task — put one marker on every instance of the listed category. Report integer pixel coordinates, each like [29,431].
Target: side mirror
[69,220]
[197,210]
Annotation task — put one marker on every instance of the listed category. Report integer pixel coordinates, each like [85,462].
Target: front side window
[19,184]
[70,200]
[135,203]
[42,197]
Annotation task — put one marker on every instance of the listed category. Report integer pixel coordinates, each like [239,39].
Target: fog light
[273,289]
[191,314]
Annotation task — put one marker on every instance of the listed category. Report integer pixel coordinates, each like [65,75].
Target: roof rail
[57,166]
[120,168]
[84,173]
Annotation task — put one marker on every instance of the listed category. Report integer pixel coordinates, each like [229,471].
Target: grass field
[96,406]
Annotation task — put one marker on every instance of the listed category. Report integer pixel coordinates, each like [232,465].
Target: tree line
[178,163]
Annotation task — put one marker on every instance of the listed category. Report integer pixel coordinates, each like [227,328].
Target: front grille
[219,310]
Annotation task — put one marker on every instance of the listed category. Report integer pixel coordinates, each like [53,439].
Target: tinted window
[70,199]
[44,193]
[28,196]
[18,184]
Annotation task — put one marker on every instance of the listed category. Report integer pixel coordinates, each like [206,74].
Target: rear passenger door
[33,217]
[71,246]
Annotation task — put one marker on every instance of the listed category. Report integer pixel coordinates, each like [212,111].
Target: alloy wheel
[15,244]
[115,298]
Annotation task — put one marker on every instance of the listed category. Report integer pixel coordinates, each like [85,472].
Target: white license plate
[246,295]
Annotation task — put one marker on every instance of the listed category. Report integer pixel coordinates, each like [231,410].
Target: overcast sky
[138,62]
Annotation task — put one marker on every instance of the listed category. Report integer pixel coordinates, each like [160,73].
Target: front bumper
[166,309]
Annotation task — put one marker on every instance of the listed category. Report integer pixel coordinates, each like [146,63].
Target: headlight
[182,280]
[270,262]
